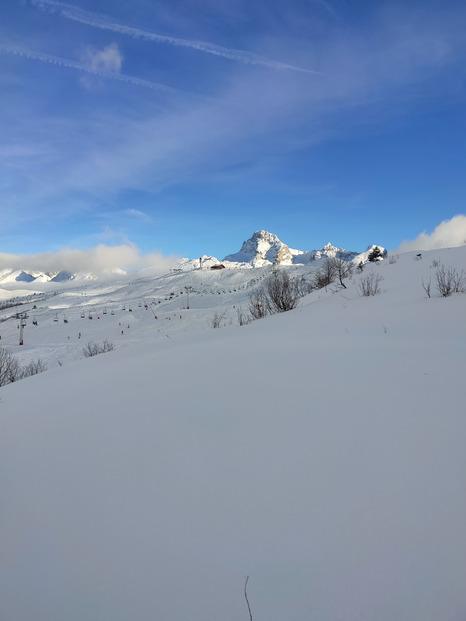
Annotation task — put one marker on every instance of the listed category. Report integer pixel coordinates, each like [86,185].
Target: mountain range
[264,248]
[261,249]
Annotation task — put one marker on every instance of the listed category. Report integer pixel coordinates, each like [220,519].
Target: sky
[181,127]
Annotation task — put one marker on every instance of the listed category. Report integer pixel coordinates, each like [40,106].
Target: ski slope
[320,451]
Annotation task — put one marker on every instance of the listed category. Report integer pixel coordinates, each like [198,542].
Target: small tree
[342,269]
[375,254]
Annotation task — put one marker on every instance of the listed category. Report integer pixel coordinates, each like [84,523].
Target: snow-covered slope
[321,452]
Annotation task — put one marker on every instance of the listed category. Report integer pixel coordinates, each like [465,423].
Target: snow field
[320,452]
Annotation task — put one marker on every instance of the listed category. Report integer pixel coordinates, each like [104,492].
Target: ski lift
[65,319]
[124,307]
[55,319]
[82,315]
[90,316]
[34,321]
[130,309]
[140,304]
[112,312]
[105,311]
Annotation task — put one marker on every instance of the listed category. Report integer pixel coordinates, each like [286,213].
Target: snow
[321,452]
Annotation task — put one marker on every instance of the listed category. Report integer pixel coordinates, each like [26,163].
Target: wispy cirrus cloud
[105,22]
[101,63]
[136,213]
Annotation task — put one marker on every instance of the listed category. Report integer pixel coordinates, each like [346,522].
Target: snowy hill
[320,452]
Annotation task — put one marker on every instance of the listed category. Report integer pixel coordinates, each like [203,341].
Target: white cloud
[107,59]
[448,234]
[96,260]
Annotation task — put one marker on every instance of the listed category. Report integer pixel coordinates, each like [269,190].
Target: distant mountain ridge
[264,248]
[261,249]
[28,276]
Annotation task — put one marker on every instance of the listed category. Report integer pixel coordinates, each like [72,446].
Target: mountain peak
[262,248]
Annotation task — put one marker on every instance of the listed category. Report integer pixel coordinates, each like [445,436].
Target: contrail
[104,22]
[64,62]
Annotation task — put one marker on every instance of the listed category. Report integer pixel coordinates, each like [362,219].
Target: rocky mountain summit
[263,248]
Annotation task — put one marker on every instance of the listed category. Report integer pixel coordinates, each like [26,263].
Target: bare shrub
[279,293]
[218,319]
[9,367]
[426,287]
[12,371]
[283,291]
[325,275]
[370,284]
[243,318]
[94,349]
[33,368]
[258,303]
[449,281]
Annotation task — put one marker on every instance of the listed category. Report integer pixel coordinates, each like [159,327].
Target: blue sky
[184,126]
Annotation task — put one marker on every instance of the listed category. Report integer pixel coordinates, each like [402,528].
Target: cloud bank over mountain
[99,259]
